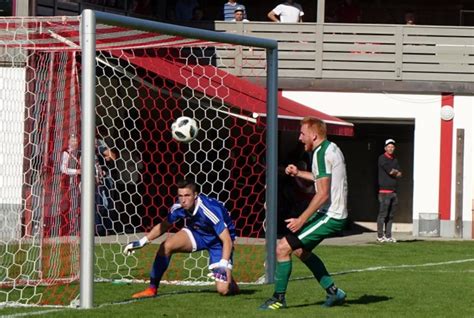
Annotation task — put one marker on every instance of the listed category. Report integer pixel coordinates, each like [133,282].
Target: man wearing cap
[239,15]
[389,172]
[229,10]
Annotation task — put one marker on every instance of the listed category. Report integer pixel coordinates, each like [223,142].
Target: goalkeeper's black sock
[160,265]
[332,290]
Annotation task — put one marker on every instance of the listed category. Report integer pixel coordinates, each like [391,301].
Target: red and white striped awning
[235,91]
[63,34]
[54,33]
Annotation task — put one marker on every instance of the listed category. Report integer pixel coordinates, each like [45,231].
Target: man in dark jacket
[389,172]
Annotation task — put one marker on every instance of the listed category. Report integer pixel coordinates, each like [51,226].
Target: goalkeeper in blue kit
[208,226]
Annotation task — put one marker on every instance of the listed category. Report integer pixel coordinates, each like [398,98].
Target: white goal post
[88,49]
[88,162]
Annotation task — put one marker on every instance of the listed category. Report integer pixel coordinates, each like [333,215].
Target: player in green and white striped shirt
[325,215]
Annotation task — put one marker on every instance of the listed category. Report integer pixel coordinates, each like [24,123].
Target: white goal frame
[89,19]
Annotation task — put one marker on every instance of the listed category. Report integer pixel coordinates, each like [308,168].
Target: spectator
[288,12]
[410,18]
[229,10]
[104,188]
[389,172]
[71,166]
[348,12]
[239,15]
[70,162]
[71,182]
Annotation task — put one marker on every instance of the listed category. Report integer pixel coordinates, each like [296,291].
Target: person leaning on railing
[288,12]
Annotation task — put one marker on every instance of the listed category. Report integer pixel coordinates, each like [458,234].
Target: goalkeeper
[208,226]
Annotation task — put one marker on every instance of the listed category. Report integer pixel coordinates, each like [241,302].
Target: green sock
[282,276]
[316,266]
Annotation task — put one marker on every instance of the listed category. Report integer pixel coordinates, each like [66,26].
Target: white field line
[390,267]
[30,313]
[160,295]
[124,302]
[367,269]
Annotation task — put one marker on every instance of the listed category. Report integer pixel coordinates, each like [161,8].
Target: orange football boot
[149,292]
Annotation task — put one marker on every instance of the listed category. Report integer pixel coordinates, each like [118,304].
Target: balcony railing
[360,51]
[436,54]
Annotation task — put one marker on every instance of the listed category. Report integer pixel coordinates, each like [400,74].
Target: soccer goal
[88,162]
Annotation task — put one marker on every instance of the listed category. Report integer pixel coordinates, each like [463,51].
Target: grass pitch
[407,279]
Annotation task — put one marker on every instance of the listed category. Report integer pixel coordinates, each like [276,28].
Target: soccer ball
[184,129]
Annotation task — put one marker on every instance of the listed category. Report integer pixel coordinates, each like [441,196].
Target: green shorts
[315,230]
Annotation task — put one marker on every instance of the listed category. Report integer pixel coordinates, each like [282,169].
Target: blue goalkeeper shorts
[211,243]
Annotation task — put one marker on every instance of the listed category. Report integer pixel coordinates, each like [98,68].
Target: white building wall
[425,110]
[12,112]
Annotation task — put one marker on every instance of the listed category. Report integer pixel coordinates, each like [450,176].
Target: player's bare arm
[226,244]
[158,230]
[272,16]
[155,232]
[222,273]
[323,186]
[293,171]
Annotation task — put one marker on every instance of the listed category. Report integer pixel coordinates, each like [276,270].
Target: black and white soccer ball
[184,129]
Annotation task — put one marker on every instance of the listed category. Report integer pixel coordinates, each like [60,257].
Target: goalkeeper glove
[219,272]
[132,246]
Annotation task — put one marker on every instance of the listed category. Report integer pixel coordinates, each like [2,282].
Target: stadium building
[412,83]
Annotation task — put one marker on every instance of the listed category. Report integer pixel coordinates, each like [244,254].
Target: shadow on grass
[181,292]
[411,241]
[363,300]
[398,242]
[368,299]
[245,291]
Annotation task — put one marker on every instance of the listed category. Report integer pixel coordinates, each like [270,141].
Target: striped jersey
[229,9]
[328,161]
[209,217]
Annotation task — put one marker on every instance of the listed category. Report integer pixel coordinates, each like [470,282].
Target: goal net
[144,82]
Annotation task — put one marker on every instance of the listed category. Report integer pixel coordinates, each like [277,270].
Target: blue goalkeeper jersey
[209,217]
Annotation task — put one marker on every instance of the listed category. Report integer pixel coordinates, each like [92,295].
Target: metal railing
[359,51]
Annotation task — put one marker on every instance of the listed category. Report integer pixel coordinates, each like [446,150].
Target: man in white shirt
[288,12]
